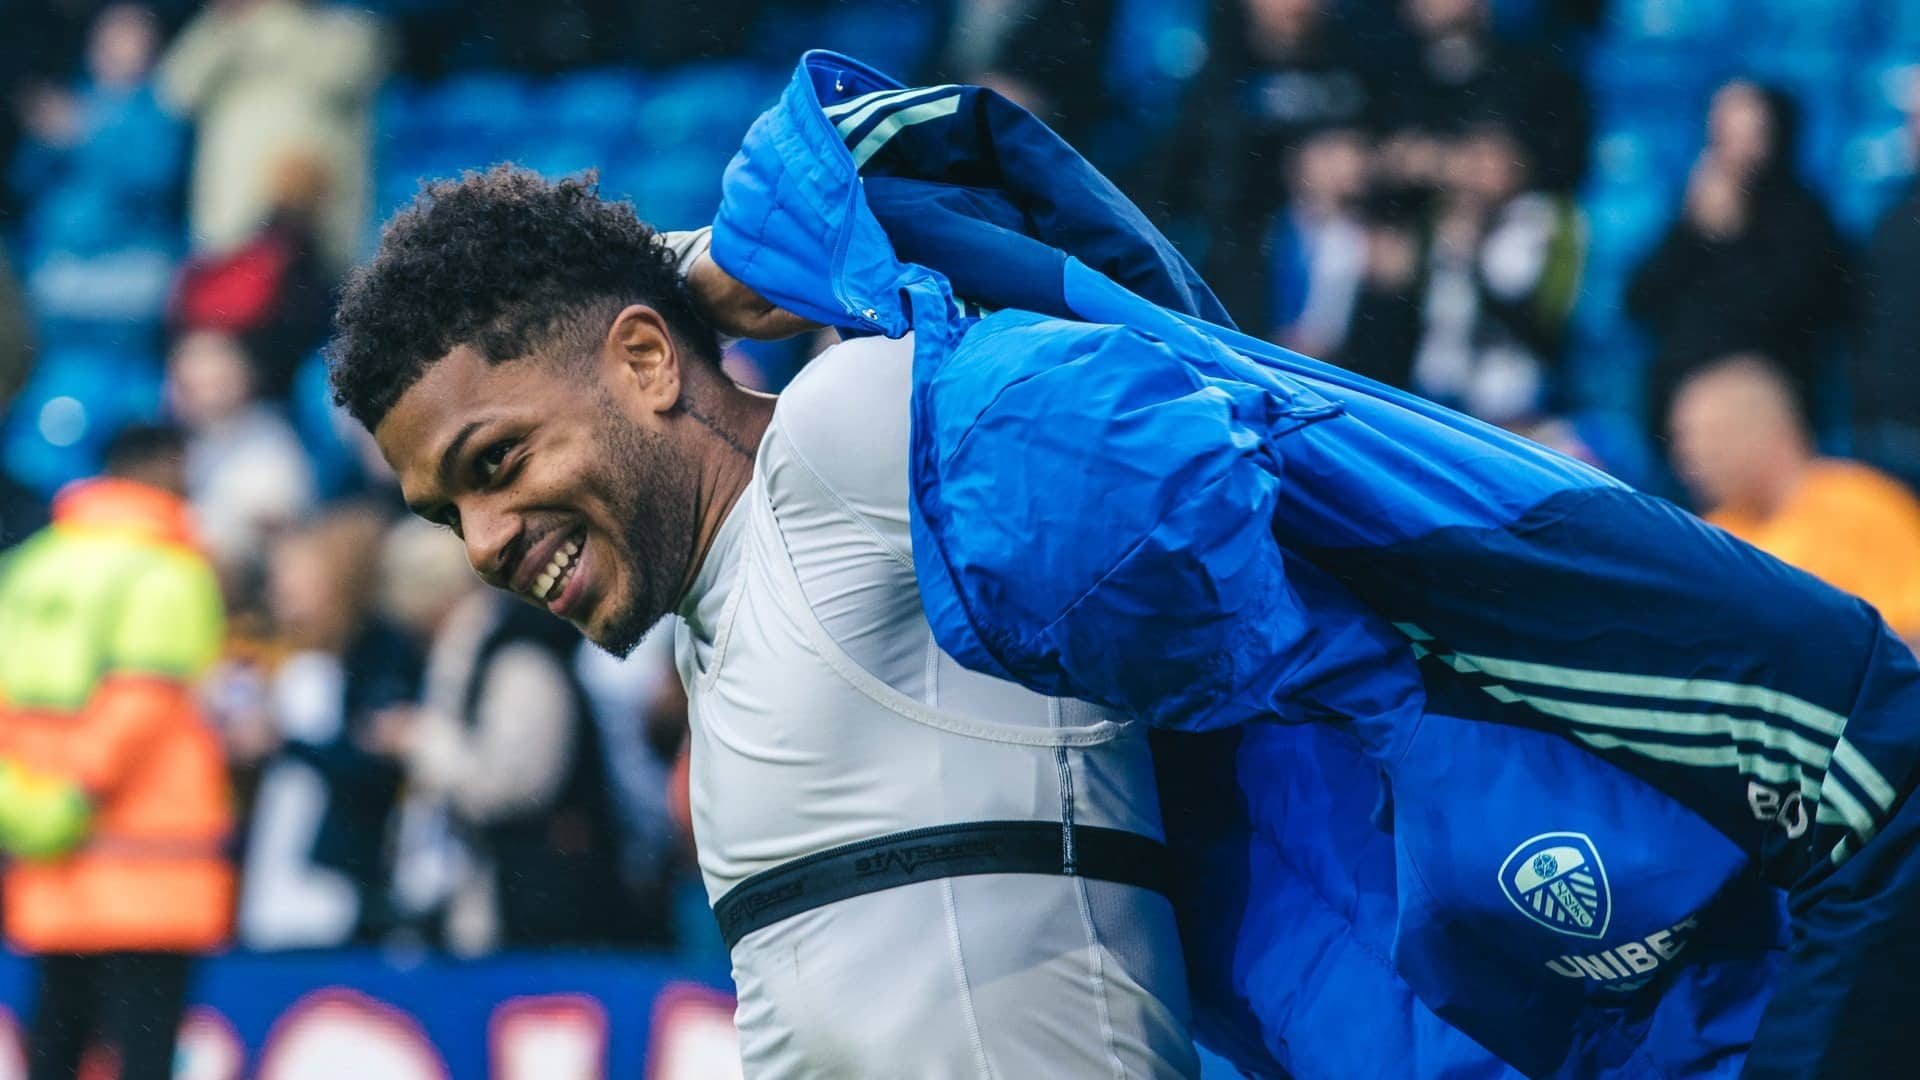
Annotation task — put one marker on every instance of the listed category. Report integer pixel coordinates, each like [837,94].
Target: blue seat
[1859,207]
[691,122]
[671,189]
[1642,155]
[895,36]
[707,104]
[394,187]
[1811,68]
[1158,45]
[1808,24]
[402,113]
[1875,166]
[1826,125]
[1605,363]
[74,402]
[478,105]
[1886,85]
[1670,20]
[600,105]
[1896,23]
[1659,82]
[321,425]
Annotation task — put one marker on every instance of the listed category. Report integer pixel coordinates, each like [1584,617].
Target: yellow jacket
[107,617]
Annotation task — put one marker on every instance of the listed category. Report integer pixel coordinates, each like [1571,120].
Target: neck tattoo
[707,422]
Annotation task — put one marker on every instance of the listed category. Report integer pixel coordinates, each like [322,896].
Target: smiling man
[920,870]
[589,482]
[1551,755]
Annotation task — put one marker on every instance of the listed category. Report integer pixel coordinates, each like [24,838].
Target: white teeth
[555,573]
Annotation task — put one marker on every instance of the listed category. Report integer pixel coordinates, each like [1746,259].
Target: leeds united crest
[1556,880]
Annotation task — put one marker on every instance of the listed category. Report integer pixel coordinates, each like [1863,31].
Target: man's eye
[495,457]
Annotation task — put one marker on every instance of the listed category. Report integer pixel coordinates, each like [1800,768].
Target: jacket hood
[794,191]
[124,505]
[947,189]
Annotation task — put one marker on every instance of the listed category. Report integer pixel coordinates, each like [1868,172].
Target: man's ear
[642,350]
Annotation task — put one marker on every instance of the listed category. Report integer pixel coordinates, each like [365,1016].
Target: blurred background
[1679,239]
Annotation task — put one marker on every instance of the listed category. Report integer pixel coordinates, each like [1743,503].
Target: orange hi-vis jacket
[107,618]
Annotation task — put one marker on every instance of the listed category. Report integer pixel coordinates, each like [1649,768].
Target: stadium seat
[478,109]
[1877,164]
[707,104]
[1624,225]
[1158,47]
[1885,86]
[76,399]
[1657,83]
[1895,23]
[1606,362]
[319,424]
[1806,24]
[1643,155]
[672,188]
[896,36]
[688,125]
[601,105]
[1632,21]
[400,115]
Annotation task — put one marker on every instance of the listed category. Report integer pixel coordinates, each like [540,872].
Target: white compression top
[823,713]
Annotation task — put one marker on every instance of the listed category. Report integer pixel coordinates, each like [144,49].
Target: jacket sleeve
[1093,520]
[1845,1003]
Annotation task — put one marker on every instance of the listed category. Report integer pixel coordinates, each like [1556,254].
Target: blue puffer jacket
[1513,751]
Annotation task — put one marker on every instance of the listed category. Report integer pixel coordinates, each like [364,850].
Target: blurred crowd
[1477,200]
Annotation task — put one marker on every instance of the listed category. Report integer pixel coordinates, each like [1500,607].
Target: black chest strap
[942,851]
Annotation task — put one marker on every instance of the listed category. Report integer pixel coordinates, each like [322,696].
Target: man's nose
[491,538]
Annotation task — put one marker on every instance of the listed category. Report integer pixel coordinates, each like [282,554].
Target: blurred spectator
[424,579]
[1886,375]
[21,512]
[266,80]
[16,335]
[506,741]
[314,873]
[1051,58]
[641,710]
[246,470]
[1319,245]
[274,292]
[98,175]
[1752,264]
[41,48]
[113,794]
[566,35]
[1385,328]
[1279,72]
[1742,446]
[1503,269]
[1461,72]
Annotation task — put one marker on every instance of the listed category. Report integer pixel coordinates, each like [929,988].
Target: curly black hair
[505,262]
